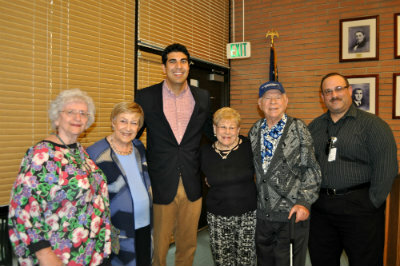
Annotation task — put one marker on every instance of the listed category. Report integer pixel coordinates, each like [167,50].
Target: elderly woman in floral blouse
[59,208]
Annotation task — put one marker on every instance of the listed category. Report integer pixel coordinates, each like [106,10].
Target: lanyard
[332,130]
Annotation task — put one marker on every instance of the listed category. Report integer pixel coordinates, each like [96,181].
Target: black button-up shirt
[366,152]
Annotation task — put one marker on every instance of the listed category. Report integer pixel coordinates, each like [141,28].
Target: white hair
[68,96]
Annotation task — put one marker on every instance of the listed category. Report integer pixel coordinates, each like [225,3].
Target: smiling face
[227,133]
[273,104]
[72,121]
[126,126]
[177,70]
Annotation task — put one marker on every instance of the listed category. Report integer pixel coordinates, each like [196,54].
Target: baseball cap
[270,85]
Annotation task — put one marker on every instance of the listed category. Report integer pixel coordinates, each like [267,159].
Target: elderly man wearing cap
[288,178]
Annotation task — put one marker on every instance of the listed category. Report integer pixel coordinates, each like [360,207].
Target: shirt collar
[171,93]
[352,112]
[281,122]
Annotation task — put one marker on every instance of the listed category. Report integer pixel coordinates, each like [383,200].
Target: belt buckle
[331,192]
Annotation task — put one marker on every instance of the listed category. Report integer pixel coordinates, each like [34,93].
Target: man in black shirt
[358,157]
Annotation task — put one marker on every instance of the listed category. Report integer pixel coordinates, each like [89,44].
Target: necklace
[114,147]
[224,153]
[78,157]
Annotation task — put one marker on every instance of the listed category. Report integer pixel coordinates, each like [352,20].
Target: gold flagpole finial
[272,34]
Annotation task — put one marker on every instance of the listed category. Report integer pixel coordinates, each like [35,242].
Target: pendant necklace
[77,157]
[224,153]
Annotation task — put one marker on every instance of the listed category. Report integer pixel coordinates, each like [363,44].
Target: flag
[273,69]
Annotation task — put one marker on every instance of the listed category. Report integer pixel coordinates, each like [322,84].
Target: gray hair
[68,96]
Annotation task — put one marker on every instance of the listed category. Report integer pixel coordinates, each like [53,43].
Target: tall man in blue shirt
[358,157]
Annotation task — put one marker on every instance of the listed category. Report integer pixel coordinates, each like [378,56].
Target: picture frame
[359,39]
[397,35]
[365,92]
[396,95]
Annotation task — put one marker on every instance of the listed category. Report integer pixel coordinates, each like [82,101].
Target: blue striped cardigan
[121,202]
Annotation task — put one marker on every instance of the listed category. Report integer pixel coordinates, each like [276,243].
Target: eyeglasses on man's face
[338,89]
[270,98]
[73,113]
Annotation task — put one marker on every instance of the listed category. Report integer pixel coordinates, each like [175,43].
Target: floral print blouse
[60,199]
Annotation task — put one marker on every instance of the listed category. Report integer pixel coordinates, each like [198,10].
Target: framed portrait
[359,39]
[365,92]
[397,35]
[396,95]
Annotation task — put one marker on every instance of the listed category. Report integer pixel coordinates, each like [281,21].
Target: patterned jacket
[121,202]
[293,176]
[60,200]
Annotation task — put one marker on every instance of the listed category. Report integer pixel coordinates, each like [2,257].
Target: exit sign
[238,50]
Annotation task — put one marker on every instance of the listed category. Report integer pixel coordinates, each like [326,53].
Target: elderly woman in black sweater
[231,200]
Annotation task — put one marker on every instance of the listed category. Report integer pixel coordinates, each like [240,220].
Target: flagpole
[272,34]
[273,66]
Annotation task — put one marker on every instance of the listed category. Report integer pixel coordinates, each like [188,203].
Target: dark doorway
[215,80]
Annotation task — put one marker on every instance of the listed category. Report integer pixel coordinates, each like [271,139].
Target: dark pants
[348,222]
[143,246]
[272,243]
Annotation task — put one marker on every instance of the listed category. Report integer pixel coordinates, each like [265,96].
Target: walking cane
[291,236]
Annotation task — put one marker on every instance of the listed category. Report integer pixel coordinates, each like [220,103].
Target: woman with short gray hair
[67,96]
[59,209]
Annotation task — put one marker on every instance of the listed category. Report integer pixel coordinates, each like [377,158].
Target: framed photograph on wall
[397,35]
[365,92]
[396,95]
[359,39]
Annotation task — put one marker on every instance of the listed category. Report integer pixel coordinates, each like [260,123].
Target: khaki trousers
[181,218]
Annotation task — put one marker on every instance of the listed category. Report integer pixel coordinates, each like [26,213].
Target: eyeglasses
[225,128]
[338,89]
[270,98]
[72,113]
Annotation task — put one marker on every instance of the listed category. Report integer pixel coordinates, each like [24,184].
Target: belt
[342,191]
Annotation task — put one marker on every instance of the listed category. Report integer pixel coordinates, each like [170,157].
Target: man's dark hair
[333,74]
[176,47]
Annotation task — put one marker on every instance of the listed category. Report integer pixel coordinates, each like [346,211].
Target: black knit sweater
[232,187]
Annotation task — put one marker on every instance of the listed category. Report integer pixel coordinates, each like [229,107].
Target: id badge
[332,149]
[332,154]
